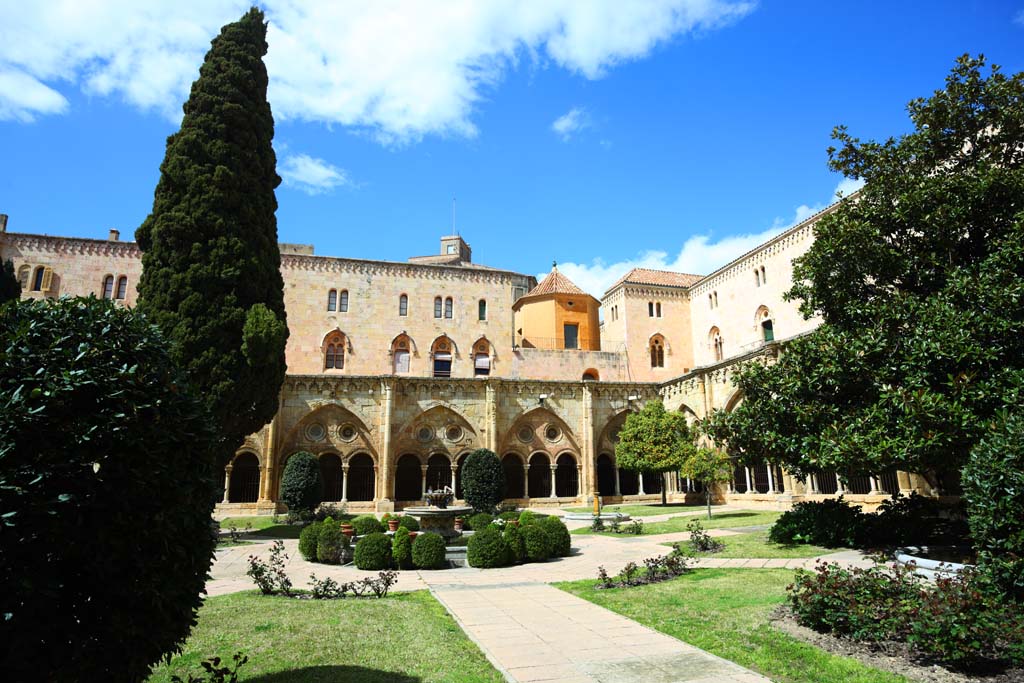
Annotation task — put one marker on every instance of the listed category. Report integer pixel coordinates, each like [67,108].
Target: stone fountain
[437,517]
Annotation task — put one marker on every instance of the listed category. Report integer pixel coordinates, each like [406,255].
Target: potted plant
[393,523]
[348,529]
[459,523]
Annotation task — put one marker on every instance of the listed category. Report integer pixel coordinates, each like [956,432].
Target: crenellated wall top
[72,245]
[333,264]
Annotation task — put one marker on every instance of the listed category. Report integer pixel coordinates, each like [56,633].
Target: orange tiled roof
[555,283]
[665,278]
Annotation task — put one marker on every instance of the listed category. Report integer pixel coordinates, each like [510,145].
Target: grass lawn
[263,526]
[757,545]
[719,520]
[644,510]
[725,611]
[405,638]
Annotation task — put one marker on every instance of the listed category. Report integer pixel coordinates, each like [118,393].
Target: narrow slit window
[122,287]
[403,305]
[448,307]
[482,309]
[108,287]
[437,307]
[343,307]
[332,300]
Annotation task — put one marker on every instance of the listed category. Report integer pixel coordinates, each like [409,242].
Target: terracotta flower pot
[412,534]
[458,523]
[348,530]
[393,524]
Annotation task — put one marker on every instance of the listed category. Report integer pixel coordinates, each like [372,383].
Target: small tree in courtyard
[654,440]
[483,480]
[301,486]
[10,288]
[710,467]
[106,490]
[211,275]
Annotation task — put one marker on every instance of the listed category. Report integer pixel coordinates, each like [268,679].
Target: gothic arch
[330,428]
[438,429]
[609,435]
[541,422]
[734,400]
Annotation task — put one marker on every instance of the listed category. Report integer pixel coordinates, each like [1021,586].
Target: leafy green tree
[10,288]
[655,440]
[211,267]
[710,467]
[106,491]
[301,486]
[483,481]
[919,282]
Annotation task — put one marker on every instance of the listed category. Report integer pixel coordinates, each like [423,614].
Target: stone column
[839,485]
[383,491]
[588,472]
[750,486]
[812,483]
[640,482]
[906,486]
[491,418]
[771,478]
[455,474]
[579,481]
[875,488]
[618,491]
[553,468]
[344,483]
[423,480]
[227,483]
[526,481]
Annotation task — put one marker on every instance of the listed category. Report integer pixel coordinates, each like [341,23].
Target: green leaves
[10,288]
[654,440]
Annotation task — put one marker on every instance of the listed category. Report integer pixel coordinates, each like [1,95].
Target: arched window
[762,275]
[448,307]
[122,287]
[334,351]
[657,352]
[757,277]
[23,274]
[37,280]
[715,341]
[332,300]
[591,376]
[400,351]
[763,318]
[650,309]
[482,309]
[482,358]
[657,310]
[716,299]
[403,305]
[437,307]
[361,479]
[768,331]
[343,306]
[515,477]
[108,287]
[567,481]
[711,302]
[245,479]
[442,356]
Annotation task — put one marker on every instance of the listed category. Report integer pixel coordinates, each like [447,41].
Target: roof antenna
[454,232]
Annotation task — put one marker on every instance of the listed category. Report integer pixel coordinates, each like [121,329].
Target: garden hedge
[301,488]
[330,543]
[373,552]
[487,548]
[537,541]
[366,524]
[107,489]
[308,540]
[483,480]
[401,548]
[480,520]
[558,533]
[428,551]
[514,541]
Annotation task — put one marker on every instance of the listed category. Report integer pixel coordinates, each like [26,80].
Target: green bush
[529,517]
[331,543]
[301,488]
[561,541]
[832,523]
[509,515]
[907,520]
[410,523]
[308,540]
[483,480]
[106,489]
[514,541]
[993,482]
[373,552]
[401,548]
[479,521]
[487,548]
[428,551]
[537,541]
[366,524]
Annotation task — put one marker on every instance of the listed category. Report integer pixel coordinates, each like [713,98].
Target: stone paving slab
[535,632]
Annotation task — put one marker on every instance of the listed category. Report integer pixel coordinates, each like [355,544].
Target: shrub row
[960,621]
[377,551]
[835,523]
[535,539]
[655,569]
[323,542]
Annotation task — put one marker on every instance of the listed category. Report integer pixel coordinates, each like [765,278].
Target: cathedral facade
[397,370]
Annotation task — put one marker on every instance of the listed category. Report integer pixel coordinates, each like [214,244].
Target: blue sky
[671,134]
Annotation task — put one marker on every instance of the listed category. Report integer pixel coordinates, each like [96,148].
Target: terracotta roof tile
[665,278]
[555,283]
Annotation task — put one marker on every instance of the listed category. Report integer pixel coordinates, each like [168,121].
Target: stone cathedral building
[397,370]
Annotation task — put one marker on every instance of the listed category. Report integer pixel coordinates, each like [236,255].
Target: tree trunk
[707,497]
[664,496]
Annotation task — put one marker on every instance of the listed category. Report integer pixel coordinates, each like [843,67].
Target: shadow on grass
[276,531]
[334,674]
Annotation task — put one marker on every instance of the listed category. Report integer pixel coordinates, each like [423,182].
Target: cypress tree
[10,288]
[211,265]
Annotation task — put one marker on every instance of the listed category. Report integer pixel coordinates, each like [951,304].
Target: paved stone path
[532,631]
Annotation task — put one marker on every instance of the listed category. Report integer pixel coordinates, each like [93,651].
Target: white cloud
[23,97]
[311,175]
[400,69]
[1019,18]
[699,254]
[570,123]
[848,186]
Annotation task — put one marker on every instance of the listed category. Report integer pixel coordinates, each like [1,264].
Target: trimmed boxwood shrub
[514,541]
[410,523]
[301,488]
[308,540]
[366,524]
[993,482]
[528,517]
[479,521]
[330,543]
[401,548]
[561,541]
[487,548]
[509,514]
[483,480]
[106,486]
[373,552]
[537,542]
[428,551]
[832,523]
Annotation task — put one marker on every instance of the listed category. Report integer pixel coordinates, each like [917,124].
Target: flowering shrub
[700,540]
[271,577]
